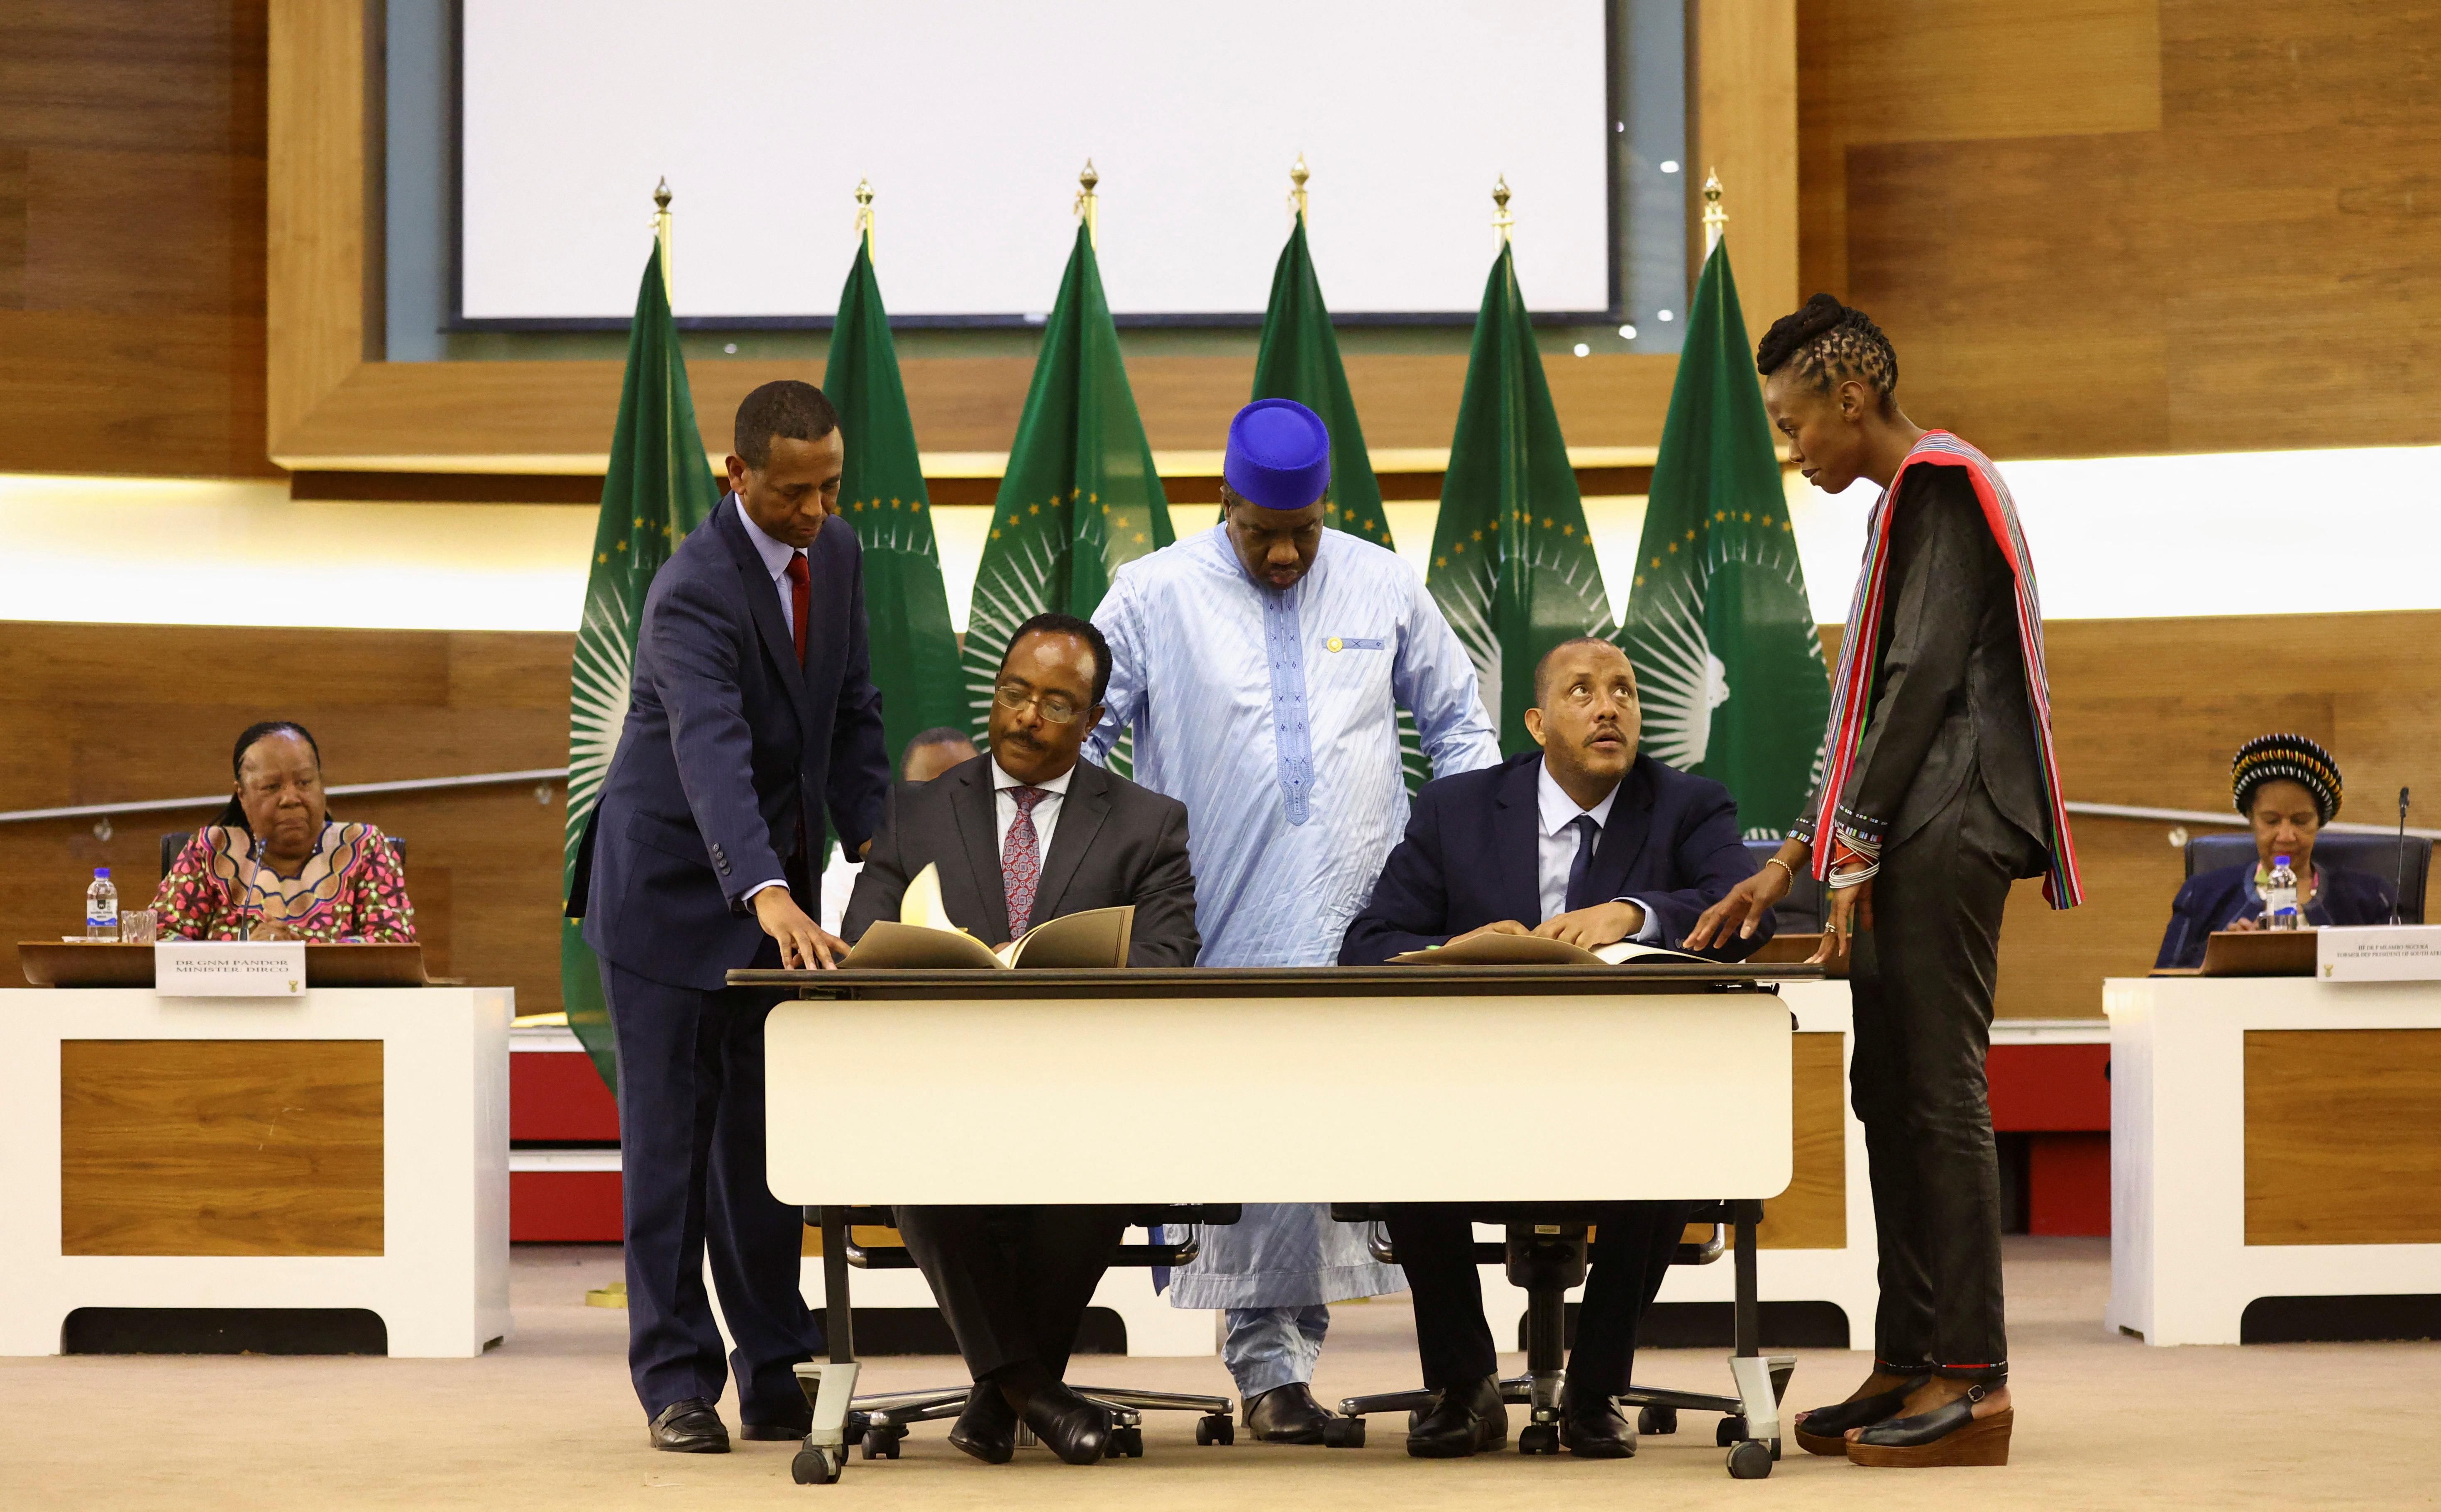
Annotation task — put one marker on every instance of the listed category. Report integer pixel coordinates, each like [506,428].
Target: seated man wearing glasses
[1022,833]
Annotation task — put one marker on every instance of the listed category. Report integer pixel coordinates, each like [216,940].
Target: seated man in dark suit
[1599,845]
[1025,834]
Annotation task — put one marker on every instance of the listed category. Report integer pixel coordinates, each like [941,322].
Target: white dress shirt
[1047,809]
[775,554]
[1556,849]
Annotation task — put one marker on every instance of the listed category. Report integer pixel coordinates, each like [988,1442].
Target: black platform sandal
[1824,1429]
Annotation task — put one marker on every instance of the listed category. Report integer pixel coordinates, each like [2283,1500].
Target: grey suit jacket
[1950,690]
[1116,845]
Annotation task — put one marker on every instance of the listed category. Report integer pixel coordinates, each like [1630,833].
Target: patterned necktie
[1021,859]
[1579,869]
[801,599]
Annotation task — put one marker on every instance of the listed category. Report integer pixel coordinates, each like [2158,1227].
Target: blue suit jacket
[1469,858]
[2214,899]
[726,747]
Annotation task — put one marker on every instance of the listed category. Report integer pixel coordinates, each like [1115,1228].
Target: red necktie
[801,598]
[1020,860]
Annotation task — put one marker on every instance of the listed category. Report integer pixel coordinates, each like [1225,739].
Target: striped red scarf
[1852,694]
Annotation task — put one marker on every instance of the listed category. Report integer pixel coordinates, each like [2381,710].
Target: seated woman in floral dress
[276,867]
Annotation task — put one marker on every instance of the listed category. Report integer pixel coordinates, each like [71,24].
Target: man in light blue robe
[1260,666]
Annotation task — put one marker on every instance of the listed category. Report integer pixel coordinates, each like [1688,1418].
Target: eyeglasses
[1056,708]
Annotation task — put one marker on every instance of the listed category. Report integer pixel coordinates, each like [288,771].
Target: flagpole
[1502,220]
[1088,202]
[662,238]
[1298,175]
[1716,220]
[864,213]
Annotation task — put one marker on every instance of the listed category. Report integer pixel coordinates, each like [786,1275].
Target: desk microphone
[2401,887]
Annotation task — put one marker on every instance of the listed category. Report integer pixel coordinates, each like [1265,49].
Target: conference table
[903,1087]
[320,1173]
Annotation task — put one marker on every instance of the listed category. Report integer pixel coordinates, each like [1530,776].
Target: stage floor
[548,1421]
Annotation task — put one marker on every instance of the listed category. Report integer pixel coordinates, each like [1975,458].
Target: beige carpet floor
[548,1421]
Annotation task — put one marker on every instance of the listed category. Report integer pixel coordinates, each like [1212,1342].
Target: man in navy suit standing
[752,714]
[1600,843]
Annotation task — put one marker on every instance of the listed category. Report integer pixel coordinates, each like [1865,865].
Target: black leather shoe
[690,1427]
[1287,1414]
[1070,1427]
[987,1428]
[1598,1431]
[1949,1434]
[1467,1420]
[1824,1429]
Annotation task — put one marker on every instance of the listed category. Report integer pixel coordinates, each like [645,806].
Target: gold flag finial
[1088,202]
[1298,175]
[1716,220]
[864,213]
[661,236]
[1502,220]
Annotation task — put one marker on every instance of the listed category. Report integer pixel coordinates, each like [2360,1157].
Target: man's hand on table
[1502,926]
[804,944]
[1589,929]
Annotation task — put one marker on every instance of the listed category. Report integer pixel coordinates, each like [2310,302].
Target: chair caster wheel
[1217,1428]
[816,1467]
[882,1443]
[1125,1443]
[1651,1420]
[1731,1430]
[1343,1432]
[1539,1438]
[1750,1460]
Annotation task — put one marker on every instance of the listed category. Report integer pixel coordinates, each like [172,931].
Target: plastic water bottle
[2280,896]
[101,907]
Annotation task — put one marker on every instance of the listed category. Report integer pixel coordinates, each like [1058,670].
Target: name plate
[2402,952]
[230,968]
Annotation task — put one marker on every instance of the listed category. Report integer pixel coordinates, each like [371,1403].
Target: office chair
[1546,1254]
[2375,854]
[879,1423]
[176,840]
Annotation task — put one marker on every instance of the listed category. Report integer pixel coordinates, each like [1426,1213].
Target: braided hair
[2286,758]
[1831,343]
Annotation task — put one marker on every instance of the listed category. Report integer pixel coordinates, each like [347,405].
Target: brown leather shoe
[1949,1434]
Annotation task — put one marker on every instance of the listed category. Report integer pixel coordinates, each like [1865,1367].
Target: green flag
[1719,626]
[1080,498]
[1512,565]
[1299,359]
[659,489]
[882,495]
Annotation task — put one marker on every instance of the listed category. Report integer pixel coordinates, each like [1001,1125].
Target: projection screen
[971,119]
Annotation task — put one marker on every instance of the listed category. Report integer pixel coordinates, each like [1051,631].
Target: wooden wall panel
[106,713]
[2110,227]
[2343,1136]
[221,1146]
[1813,1213]
[132,153]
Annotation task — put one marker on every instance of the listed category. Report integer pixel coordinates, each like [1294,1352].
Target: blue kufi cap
[1279,454]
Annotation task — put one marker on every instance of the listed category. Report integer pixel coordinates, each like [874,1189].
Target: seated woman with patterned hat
[2288,788]
[276,867]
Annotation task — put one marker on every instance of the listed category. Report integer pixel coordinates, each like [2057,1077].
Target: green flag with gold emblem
[1719,624]
[882,496]
[1080,498]
[1513,568]
[659,487]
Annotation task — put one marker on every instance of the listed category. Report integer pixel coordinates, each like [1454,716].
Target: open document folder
[923,939]
[1534,950]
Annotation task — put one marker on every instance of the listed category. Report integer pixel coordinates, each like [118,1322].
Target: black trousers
[1630,1256]
[691,1145]
[1013,1282]
[1921,986]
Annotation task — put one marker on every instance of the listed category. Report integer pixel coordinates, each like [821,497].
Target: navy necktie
[1580,868]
